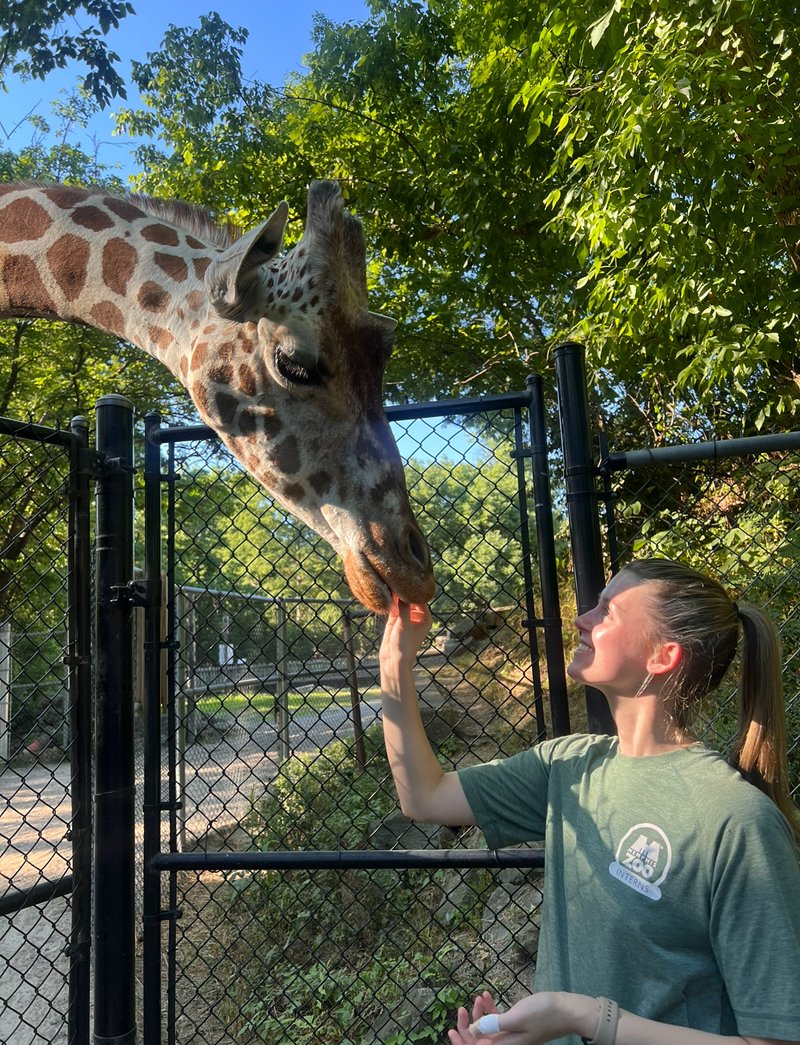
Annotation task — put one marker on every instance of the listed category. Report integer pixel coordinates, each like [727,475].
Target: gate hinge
[140,592]
[91,463]
[162,916]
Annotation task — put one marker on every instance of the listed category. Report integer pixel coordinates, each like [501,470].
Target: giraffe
[279,352]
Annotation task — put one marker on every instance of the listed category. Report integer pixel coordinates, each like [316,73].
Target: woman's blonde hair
[696,612]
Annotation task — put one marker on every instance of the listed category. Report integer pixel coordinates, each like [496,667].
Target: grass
[316,700]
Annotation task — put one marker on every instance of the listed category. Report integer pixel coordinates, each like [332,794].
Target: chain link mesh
[739,520]
[35,739]
[278,747]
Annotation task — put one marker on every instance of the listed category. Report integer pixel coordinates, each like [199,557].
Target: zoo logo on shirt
[643,859]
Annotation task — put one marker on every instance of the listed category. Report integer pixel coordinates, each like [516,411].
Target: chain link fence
[42,956]
[275,746]
[737,518]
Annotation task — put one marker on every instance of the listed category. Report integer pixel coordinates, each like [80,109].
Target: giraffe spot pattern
[68,259]
[294,491]
[199,355]
[5,189]
[272,423]
[119,261]
[164,235]
[109,317]
[221,374]
[161,337]
[173,264]
[152,297]
[24,285]
[194,300]
[184,365]
[209,329]
[247,379]
[286,455]
[247,423]
[321,482]
[195,244]
[200,265]
[200,397]
[66,197]
[122,209]
[23,220]
[91,218]
[226,407]
[225,350]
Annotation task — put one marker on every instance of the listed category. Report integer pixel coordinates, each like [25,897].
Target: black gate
[270,684]
[45,731]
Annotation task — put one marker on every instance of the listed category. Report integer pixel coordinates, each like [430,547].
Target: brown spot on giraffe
[108,316]
[226,406]
[247,379]
[294,491]
[161,234]
[247,423]
[195,299]
[173,264]
[286,455]
[65,196]
[92,218]
[252,462]
[272,423]
[195,244]
[199,354]
[200,266]
[122,209]
[200,396]
[152,297]
[221,374]
[321,482]
[119,261]
[184,366]
[4,189]
[68,259]
[194,324]
[225,350]
[24,285]
[23,220]
[161,336]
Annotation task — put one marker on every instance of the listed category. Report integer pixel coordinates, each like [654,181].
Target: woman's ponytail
[760,751]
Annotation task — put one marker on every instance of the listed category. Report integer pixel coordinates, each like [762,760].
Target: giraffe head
[288,368]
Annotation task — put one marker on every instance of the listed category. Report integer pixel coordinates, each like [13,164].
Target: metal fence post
[282,684]
[355,697]
[114,796]
[77,662]
[5,689]
[582,508]
[548,567]
[151,892]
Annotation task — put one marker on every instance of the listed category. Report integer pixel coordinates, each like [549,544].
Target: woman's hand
[534,1020]
[405,631]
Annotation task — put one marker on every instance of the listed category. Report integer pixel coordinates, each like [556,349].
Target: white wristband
[489,1024]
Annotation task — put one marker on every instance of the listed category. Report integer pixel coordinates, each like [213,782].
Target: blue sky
[280,35]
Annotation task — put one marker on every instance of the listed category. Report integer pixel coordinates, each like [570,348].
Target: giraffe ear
[232,277]
[385,322]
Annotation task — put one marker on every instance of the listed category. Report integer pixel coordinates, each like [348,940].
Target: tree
[34,41]
[624,175]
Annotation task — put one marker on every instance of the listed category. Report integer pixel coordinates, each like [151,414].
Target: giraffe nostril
[416,546]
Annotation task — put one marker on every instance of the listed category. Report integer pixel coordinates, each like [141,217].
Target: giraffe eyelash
[293,371]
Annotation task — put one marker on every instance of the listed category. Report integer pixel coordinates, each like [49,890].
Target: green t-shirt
[673,885]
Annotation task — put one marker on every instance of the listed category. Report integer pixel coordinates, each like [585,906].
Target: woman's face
[615,646]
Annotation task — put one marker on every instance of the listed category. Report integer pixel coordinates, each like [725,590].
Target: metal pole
[79,683]
[5,688]
[282,688]
[114,796]
[355,697]
[548,567]
[151,897]
[530,609]
[579,478]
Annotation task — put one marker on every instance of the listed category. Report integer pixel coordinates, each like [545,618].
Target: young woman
[672,905]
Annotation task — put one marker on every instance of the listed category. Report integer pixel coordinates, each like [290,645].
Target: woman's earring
[647,680]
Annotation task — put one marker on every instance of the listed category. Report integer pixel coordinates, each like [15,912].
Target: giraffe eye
[295,372]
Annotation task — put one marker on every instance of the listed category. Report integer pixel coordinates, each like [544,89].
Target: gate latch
[140,592]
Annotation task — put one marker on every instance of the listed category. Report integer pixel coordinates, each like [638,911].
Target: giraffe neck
[83,256]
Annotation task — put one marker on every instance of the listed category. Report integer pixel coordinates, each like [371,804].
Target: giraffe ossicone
[279,352]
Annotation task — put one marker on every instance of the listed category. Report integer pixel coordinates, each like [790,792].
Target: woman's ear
[665,657]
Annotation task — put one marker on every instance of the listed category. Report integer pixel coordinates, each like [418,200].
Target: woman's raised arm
[425,791]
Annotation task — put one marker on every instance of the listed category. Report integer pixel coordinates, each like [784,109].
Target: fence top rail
[404,412]
[342,858]
[685,453]
[36,433]
[253,597]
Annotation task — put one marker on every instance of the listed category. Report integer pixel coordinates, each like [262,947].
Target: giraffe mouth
[367,583]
